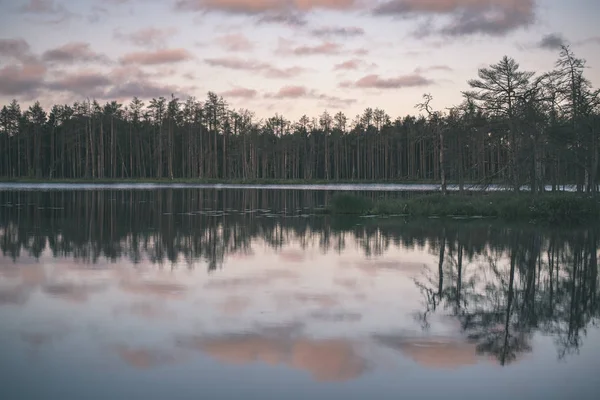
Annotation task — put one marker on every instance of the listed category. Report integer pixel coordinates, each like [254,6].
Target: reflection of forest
[168,225]
[520,282]
[501,283]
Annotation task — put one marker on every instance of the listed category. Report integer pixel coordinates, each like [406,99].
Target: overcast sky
[291,57]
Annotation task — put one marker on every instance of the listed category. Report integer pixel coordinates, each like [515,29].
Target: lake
[187,293]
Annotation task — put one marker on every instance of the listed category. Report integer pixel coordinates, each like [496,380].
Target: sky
[287,57]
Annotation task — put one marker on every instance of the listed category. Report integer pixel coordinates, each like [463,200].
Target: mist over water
[231,293]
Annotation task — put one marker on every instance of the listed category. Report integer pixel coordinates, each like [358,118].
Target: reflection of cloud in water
[292,255]
[144,358]
[44,334]
[286,301]
[72,291]
[373,267]
[264,278]
[325,360]
[321,300]
[146,310]
[165,290]
[347,283]
[336,316]
[15,295]
[234,305]
[29,274]
[432,352]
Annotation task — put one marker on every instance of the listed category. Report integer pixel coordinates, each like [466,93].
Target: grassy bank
[553,208]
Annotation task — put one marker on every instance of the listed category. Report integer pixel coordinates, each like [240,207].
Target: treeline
[513,127]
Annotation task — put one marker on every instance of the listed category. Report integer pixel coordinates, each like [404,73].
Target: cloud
[97,14]
[290,92]
[74,52]
[22,80]
[235,42]
[266,69]
[590,40]
[147,37]
[467,17]
[16,48]
[350,31]
[240,92]
[376,82]
[83,83]
[334,101]
[289,19]
[254,7]
[420,70]
[349,65]
[40,7]
[283,73]
[297,92]
[552,41]
[142,89]
[325,48]
[46,11]
[161,56]
[236,63]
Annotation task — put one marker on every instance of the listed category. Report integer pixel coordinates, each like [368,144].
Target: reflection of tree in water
[186,226]
[501,294]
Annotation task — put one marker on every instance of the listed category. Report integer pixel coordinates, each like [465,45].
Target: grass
[560,208]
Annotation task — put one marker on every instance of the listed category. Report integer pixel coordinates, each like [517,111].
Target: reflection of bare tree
[536,283]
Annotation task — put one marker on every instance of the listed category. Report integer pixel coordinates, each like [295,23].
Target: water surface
[204,293]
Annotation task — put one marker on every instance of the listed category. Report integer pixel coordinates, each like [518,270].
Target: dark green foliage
[345,203]
[554,208]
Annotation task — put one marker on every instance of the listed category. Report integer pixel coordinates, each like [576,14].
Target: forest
[514,128]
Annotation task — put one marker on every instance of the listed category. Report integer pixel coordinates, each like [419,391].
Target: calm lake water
[223,294]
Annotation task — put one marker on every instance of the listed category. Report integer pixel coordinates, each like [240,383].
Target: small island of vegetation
[563,208]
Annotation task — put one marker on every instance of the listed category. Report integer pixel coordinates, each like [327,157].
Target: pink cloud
[147,37]
[289,47]
[240,93]
[349,31]
[374,81]
[235,42]
[16,48]
[250,7]
[433,68]
[23,80]
[297,92]
[282,73]
[162,56]
[350,64]
[290,92]
[74,52]
[81,83]
[266,69]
